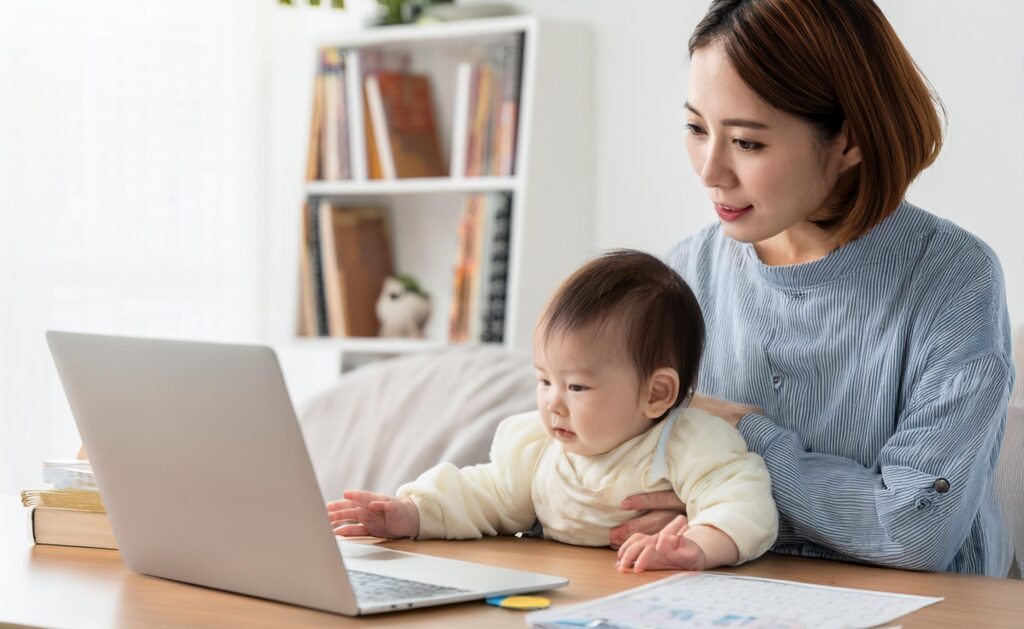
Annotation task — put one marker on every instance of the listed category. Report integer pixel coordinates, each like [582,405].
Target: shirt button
[776,381]
[941,485]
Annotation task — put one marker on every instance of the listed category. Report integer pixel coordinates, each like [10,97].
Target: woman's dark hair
[836,62]
[650,307]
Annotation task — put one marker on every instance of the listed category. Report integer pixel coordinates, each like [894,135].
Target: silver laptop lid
[199,458]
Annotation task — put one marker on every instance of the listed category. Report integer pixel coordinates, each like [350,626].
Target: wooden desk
[78,587]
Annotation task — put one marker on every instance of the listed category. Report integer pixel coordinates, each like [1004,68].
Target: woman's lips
[727,213]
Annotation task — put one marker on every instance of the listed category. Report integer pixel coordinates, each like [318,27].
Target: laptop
[206,479]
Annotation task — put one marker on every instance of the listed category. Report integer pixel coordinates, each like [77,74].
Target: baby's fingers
[337,505]
[352,530]
[646,557]
[628,554]
[635,538]
[347,514]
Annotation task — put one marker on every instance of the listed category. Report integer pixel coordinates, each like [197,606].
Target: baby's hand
[380,515]
[668,550]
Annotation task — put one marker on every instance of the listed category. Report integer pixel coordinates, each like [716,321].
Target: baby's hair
[652,308]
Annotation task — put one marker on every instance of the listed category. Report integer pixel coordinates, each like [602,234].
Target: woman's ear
[847,149]
[662,391]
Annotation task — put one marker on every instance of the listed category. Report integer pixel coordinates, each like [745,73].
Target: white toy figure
[403,309]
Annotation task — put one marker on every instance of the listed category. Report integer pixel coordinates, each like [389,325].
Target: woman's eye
[694,129]
[747,145]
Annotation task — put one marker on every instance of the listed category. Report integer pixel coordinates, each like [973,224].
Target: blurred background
[152,160]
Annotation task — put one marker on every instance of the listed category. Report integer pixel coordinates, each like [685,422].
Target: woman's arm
[916,509]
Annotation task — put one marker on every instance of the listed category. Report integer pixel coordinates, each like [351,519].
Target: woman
[859,344]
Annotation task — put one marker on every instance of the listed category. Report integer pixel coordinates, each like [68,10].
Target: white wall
[647,196]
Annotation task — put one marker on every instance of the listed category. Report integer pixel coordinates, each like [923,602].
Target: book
[378,146]
[476,150]
[315,129]
[508,113]
[357,259]
[69,473]
[71,527]
[330,115]
[307,307]
[491,117]
[79,499]
[460,118]
[494,276]
[464,272]
[331,276]
[402,122]
[477,310]
[316,281]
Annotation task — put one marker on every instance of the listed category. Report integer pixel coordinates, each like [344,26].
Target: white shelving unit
[551,186]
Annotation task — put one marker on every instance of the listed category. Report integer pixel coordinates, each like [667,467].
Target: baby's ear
[662,391]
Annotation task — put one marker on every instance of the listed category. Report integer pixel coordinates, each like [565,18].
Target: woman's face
[766,171]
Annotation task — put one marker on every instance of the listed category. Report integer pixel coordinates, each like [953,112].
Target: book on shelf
[460,118]
[307,323]
[315,129]
[314,308]
[477,311]
[354,253]
[485,130]
[402,137]
[328,156]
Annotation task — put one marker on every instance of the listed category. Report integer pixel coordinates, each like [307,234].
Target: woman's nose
[714,171]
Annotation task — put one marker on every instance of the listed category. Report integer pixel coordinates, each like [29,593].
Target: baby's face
[588,393]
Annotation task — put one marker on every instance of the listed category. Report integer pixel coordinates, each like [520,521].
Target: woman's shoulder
[698,256]
[945,243]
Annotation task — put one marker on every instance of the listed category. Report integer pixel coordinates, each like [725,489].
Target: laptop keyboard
[371,587]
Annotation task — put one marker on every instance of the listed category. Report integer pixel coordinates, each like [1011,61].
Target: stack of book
[486,111]
[70,513]
[329,155]
[481,270]
[345,258]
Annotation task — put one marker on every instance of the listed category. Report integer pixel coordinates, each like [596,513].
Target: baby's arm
[678,547]
[379,515]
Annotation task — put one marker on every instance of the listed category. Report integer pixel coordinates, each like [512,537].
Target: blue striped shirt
[884,371]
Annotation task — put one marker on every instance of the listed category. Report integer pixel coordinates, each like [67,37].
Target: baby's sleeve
[722,484]
[489,499]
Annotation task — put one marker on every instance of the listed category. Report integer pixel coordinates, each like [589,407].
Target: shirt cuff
[759,432]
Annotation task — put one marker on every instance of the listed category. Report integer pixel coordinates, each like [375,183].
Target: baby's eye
[544,383]
[577,387]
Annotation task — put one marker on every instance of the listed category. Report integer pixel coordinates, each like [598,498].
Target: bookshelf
[549,189]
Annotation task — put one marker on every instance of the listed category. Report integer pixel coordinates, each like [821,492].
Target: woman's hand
[729,411]
[657,510]
[668,550]
[380,515]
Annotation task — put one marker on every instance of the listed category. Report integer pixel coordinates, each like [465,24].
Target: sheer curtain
[130,190]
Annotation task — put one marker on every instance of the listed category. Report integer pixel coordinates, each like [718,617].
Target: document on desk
[695,599]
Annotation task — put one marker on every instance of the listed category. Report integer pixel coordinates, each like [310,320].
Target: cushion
[385,423]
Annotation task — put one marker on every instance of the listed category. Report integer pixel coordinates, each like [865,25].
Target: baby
[617,351]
